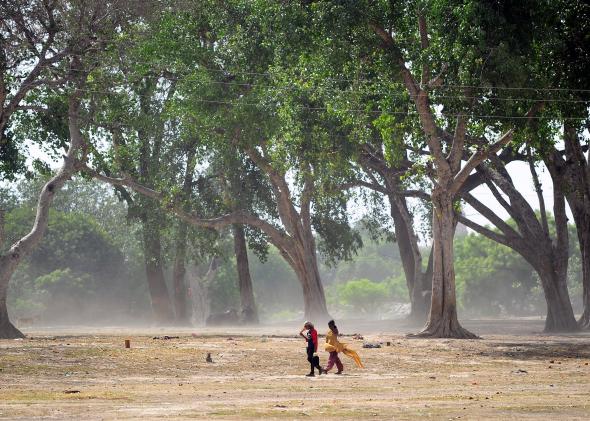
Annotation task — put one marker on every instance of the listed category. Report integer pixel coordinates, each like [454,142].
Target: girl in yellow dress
[333,346]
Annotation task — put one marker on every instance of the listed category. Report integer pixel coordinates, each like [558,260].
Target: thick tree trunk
[181,292]
[584,239]
[442,320]
[580,207]
[560,315]
[411,261]
[302,259]
[7,329]
[199,283]
[421,295]
[183,311]
[576,185]
[161,304]
[554,265]
[314,298]
[247,302]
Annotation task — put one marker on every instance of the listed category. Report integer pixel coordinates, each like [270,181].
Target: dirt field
[513,373]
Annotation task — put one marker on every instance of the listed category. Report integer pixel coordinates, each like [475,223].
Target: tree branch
[456,152]
[277,238]
[490,216]
[494,236]
[539,191]
[477,158]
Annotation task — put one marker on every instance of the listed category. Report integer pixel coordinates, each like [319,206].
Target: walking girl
[334,346]
[311,337]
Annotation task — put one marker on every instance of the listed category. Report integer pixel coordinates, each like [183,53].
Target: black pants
[314,361]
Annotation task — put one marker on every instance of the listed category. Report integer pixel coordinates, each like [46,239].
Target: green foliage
[72,240]
[493,280]
[11,161]
[66,282]
[362,295]
[85,269]
[310,85]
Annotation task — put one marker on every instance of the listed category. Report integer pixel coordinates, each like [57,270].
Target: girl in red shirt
[312,347]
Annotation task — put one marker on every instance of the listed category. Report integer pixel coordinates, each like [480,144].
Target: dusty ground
[513,373]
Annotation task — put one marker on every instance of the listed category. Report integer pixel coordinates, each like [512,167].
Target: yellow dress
[334,345]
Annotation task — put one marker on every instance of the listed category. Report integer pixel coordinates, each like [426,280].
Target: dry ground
[513,373]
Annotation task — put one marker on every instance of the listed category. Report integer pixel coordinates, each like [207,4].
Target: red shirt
[312,339]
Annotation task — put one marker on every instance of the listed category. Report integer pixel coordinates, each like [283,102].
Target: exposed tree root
[8,331]
[553,325]
[445,329]
[584,322]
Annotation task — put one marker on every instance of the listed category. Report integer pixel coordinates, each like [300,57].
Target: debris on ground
[166,337]
[71,391]
[357,337]
[371,345]
[209,359]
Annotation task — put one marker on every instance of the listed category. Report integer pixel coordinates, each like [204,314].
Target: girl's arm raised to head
[301,334]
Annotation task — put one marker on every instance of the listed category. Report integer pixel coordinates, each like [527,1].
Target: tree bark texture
[297,244]
[301,256]
[560,315]
[584,240]
[576,185]
[418,282]
[181,292]
[247,302]
[442,320]
[182,310]
[161,305]
[7,329]
[199,281]
[531,239]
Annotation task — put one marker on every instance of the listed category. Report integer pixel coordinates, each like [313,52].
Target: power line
[337,79]
[352,110]
[396,95]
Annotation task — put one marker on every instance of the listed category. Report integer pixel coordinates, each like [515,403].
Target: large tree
[43,45]
[547,252]
[563,66]
[219,79]
[439,53]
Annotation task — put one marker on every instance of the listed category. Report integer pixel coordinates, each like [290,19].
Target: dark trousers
[313,361]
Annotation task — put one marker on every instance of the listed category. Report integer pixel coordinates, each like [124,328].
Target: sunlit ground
[514,372]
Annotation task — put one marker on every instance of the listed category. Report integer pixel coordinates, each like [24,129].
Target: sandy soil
[512,373]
